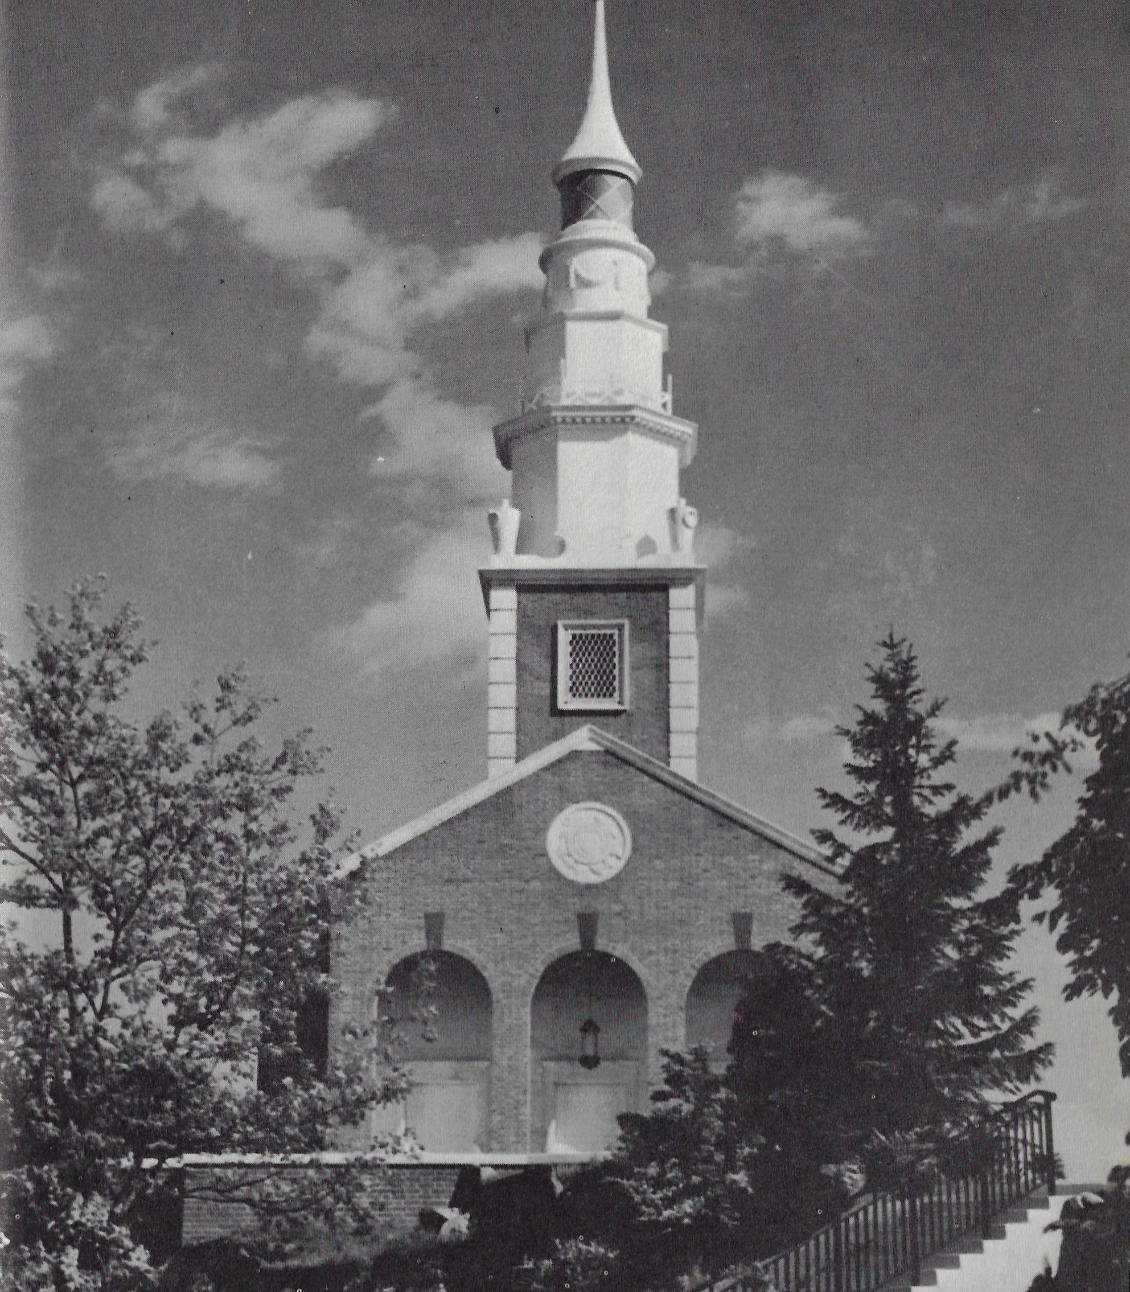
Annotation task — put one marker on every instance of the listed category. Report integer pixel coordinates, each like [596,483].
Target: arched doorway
[713,997]
[574,1105]
[448,1052]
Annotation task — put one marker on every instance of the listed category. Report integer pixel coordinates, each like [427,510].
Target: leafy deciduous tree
[173,931]
[1088,867]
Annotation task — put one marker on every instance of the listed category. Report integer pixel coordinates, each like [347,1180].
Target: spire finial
[598,145]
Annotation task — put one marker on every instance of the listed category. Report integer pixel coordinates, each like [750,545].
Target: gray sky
[265,267]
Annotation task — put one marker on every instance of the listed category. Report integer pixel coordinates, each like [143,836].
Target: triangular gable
[589,739]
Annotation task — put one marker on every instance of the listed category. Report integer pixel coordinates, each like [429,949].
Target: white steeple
[595,453]
[598,144]
[594,548]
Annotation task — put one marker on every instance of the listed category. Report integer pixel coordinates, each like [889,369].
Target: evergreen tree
[787,1067]
[913,1015]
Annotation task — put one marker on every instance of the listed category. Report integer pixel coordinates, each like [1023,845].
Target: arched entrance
[574,1104]
[448,1052]
[713,997]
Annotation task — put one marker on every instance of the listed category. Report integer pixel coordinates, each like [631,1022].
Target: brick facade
[511,914]
[644,723]
[224,1201]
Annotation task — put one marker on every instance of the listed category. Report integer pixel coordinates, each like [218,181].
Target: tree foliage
[902,984]
[1087,869]
[788,1059]
[173,931]
[684,1189]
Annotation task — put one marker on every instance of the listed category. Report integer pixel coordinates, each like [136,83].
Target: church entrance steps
[1017,1249]
[929,1229]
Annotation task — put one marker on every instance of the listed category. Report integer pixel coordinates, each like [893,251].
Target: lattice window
[592,664]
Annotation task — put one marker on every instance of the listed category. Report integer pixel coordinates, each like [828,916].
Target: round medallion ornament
[588,843]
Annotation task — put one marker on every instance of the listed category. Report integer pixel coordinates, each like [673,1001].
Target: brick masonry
[218,1199]
[511,914]
[225,1201]
[645,722]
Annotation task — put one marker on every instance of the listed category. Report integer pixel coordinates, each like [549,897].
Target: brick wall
[220,1201]
[539,721]
[225,1201]
[510,913]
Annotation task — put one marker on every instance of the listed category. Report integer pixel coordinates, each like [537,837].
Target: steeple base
[634,670]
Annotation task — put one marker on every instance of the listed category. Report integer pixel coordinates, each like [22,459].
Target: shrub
[1095,1256]
[576,1265]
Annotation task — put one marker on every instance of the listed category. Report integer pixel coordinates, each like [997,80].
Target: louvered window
[592,664]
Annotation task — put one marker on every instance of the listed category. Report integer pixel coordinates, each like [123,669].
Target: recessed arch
[713,996]
[574,1107]
[458,1025]
[447,1049]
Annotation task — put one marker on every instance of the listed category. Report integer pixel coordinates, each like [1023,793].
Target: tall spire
[595,544]
[598,144]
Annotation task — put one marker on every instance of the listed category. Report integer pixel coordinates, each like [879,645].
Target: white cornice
[558,572]
[664,426]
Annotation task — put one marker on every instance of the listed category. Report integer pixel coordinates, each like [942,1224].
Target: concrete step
[1017,1249]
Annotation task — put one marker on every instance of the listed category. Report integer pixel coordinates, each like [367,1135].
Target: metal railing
[889,1235]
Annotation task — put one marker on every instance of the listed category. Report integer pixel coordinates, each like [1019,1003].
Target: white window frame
[570,704]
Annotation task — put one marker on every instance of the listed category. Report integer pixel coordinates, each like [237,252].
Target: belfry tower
[593,592]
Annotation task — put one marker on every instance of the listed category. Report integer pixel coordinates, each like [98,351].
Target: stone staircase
[1016,1251]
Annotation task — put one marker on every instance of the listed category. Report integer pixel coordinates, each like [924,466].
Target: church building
[590,903]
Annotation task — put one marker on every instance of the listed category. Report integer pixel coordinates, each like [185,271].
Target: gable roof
[590,739]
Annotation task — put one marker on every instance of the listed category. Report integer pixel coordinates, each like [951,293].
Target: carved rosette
[588,843]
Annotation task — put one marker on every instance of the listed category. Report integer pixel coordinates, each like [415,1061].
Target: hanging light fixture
[590,1028]
[590,1044]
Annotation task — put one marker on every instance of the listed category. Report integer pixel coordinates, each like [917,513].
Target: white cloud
[437,438]
[805,727]
[154,106]
[377,297]
[261,174]
[659,282]
[779,215]
[26,341]
[126,207]
[1040,202]
[494,268]
[795,212]
[171,442]
[54,276]
[434,616]
[996,732]
[362,328]
[718,547]
[368,320]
